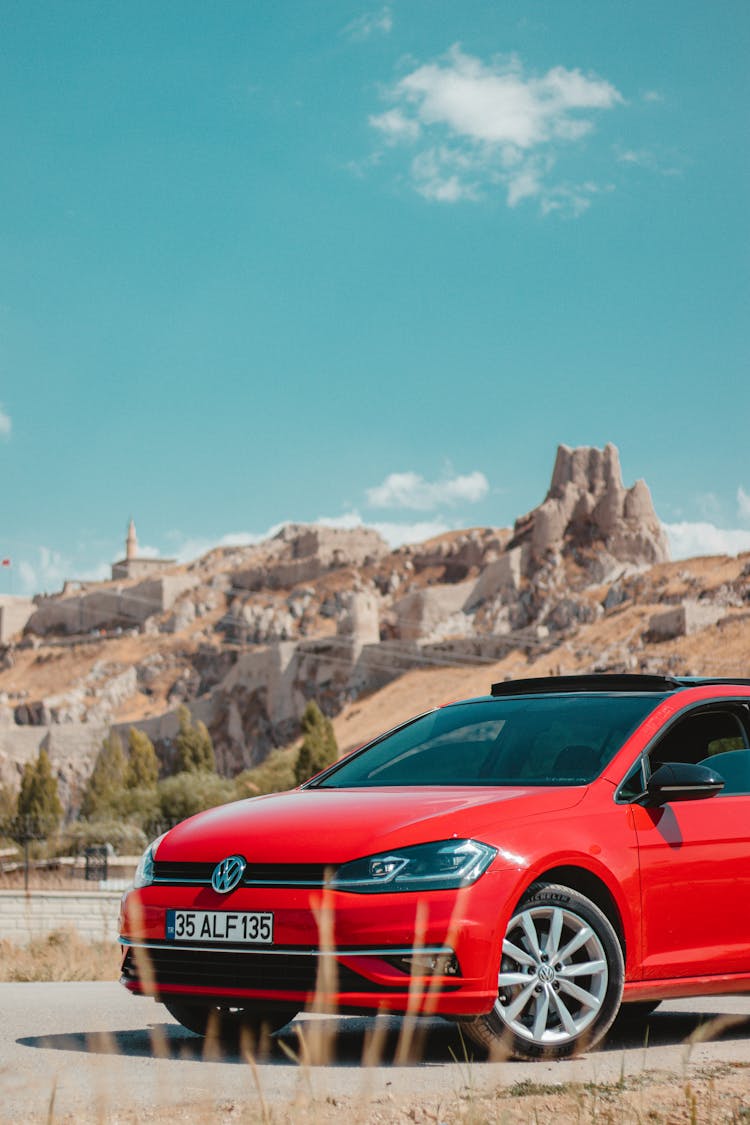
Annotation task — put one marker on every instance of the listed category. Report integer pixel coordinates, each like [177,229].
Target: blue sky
[258,257]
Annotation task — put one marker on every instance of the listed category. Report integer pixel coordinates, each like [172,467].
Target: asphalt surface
[91,1049]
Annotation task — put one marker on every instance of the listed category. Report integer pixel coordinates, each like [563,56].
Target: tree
[319,748]
[274,774]
[143,766]
[8,805]
[39,810]
[107,778]
[193,745]
[190,792]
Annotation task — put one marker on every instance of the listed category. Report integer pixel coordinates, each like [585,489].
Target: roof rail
[608,681]
[701,681]
[603,682]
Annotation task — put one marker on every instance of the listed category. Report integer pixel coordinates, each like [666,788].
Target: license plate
[220,925]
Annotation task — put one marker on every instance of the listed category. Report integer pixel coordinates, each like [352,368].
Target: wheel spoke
[584,934]
[540,1016]
[579,994]
[508,980]
[518,954]
[513,1010]
[581,969]
[529,930]
[565,1017]
[555,930]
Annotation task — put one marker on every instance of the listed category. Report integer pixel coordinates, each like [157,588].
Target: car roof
[608,682]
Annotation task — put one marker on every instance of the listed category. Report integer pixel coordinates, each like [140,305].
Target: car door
[694,855]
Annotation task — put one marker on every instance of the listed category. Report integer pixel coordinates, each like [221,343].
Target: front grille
[256,874]
[220,968]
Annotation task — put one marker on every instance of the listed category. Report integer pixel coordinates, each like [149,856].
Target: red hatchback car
[524,863]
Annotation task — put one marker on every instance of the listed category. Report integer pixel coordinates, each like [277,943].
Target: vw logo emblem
[228,874]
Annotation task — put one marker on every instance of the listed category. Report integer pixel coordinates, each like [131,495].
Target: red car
[525,863]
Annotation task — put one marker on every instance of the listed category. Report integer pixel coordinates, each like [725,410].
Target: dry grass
[710,1095]
[60,956]
[715,1097]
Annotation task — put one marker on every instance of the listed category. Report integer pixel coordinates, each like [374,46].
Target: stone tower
[134,567]
[131,543]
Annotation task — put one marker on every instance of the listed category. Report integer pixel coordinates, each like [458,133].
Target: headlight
[144,872]
[427,867]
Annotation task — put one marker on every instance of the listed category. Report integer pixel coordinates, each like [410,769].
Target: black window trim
[643,756]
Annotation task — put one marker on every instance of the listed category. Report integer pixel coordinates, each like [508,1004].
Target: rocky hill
[245,636]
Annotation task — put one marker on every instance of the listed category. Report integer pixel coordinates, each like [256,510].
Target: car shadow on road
[347,1041]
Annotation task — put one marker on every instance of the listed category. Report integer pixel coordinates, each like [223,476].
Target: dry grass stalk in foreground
[715,1096]
[60,956]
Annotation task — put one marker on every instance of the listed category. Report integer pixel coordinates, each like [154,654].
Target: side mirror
[682,781]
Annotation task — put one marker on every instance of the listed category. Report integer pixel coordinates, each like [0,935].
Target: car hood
[332,826]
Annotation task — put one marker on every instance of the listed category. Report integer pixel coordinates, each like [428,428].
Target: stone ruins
[329,613]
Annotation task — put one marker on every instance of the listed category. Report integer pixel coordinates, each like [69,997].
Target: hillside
[246,636]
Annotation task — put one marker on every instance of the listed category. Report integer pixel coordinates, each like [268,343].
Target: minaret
[131,543]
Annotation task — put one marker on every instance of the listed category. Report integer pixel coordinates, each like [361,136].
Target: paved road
[102,1050]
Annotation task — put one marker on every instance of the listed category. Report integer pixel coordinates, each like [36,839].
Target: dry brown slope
[720,650]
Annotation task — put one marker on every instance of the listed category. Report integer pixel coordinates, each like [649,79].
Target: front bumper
[431,952]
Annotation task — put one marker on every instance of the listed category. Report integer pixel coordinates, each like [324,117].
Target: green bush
[143,766]
[125,837]
[39,809]
[142,807]
[8,805]
[8,802]
[193,745]
[275,774]
[319,748]
[107,779]
[192,791]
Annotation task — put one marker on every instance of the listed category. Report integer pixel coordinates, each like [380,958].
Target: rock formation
[302,553]
[246,635]
[588,506]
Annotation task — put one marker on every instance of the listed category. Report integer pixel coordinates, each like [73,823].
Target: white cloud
[6,424]
[48,570]
[653,96]
[709,506]
[686,540]
[411,490]
[642,157]
[441,174]
[192,548]
[743,503]
[664,163]
[489,125]
[395,534]
[146,552]
[523,184]
[371,23]
[395,126]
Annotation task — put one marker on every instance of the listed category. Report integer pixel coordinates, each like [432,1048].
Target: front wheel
[227,1024]
[560,979]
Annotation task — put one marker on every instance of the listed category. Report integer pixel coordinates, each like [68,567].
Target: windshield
[528,740]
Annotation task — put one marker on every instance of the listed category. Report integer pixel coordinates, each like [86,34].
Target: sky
[264,260]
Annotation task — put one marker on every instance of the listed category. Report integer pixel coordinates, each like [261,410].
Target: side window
[715,737]
[634,784]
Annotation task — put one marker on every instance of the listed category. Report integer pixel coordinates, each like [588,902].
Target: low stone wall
[26,915]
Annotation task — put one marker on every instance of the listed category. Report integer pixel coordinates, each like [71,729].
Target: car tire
[203,1019]
[560,978]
